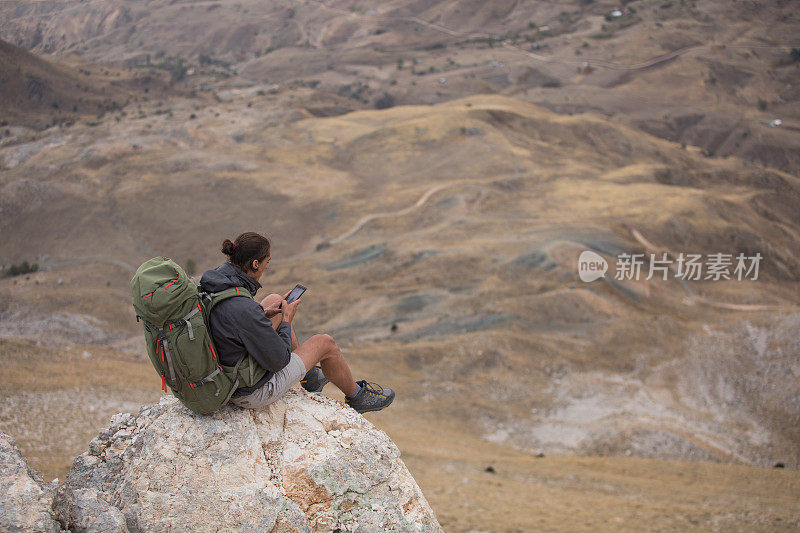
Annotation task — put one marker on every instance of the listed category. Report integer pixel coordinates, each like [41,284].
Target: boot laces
[372,388]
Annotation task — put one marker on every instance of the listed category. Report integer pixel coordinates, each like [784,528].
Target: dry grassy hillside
[462,293]
[699,72]
[37,93]
[439,237]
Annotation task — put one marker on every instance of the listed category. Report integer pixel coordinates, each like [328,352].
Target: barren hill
[39,93]
[448,276]
[439,236]
[704,73]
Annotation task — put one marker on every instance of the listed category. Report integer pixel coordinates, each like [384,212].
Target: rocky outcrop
[25,501]
[305,463]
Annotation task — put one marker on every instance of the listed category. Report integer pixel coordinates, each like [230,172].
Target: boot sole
[374,408]
[317,390]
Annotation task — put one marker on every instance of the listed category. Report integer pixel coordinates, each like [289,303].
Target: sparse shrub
[795,53]
[192,116]
[18,270]
[762,104]
[385,102]
[191,267]
[399,63]
[552,84]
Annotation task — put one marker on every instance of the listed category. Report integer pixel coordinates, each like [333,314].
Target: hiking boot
[314,380]
[371,397]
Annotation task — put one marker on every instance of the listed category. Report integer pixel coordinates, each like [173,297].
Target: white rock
[25,501]
[305,463]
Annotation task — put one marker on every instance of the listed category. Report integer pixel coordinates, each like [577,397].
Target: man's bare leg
[323,349]
[318,349]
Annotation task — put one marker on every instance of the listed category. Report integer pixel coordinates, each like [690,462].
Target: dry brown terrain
[438,237]
[700,72]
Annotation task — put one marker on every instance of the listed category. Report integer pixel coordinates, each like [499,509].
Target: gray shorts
[275,387]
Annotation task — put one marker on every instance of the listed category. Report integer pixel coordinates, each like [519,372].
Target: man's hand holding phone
[290,302]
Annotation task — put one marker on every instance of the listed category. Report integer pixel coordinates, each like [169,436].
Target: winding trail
[363,221]
[692,299]
[601,63]
[595,63]
[419,203]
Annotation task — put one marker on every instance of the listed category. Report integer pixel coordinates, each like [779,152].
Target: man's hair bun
[228,247]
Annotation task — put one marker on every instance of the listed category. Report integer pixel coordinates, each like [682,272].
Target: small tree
[384,102]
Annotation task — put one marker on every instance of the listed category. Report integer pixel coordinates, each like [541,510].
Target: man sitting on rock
[240,326]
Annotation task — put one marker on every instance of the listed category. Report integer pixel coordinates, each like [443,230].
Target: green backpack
[175,315]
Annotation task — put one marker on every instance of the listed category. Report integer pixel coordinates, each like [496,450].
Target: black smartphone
[296,293]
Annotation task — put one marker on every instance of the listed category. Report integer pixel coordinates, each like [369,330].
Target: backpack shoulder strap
[213,298]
